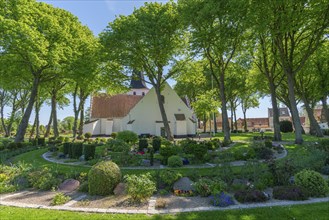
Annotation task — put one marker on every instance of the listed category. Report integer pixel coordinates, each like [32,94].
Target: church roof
[137,81]
[116,106]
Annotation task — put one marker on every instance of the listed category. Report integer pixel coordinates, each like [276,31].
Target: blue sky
[96,14]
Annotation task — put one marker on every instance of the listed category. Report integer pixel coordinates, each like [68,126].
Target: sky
[96,14]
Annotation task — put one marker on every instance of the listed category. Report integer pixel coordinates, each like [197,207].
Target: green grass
[317,211]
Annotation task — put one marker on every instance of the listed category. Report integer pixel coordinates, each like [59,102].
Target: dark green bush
[89,151]
[114,135]
[129,137]
[169,177]
[202,187]
[175,161]
[103,178]
[263,153]
[41,141]
[60,139]
[294,193]
[192,147]
[143,143]
[313,182]
[13,145]
[246,196]
[88,135]
[281,172]
[117,145]
[167,151]
[43,179]
[286,126]
[268,143]
[156,143]
[66,148]
[76,150]
[140,187]
[324,145]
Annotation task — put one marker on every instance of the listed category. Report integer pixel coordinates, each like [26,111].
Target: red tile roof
[117,106]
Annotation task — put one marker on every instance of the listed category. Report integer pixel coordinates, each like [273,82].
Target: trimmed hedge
[66,148]
[156,143]
[313,182]
[89,151]
[75,150]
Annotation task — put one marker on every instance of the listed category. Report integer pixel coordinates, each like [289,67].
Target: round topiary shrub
[103,178]
[313,182]
[175,161]
[286,126]
[87,135]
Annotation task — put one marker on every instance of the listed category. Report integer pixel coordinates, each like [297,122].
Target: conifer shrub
[89,151]
[143,143]
[156,143]
[66,148]
[75,150]
[175,161]
[286,126]
[103,178]
[114,135]
[313,182]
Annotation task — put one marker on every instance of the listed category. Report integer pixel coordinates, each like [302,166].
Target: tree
[35,38]
[297,29]
[148,40]
[217,31]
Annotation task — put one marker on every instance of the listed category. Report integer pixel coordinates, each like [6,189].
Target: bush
[294,193]
[324,145]
[89,151]
[313,182]
[263,153]
[13,145]
[197,149]
[103,178]
[167,151]
[66,148]
[60,139]
[221,200]
[43,179]
[169,177]
[175,161]
[60,199]
[75,151]
[117,145]
[281,172]
[127,136]
[286,126]
[140,187]
[66,139]
[88,135]
[202,187]
[156,143]
[41,141]
[217,186]
[268,144]
[143,143]
[245,196]
[114,135]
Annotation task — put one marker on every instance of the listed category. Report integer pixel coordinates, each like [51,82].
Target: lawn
[317,211]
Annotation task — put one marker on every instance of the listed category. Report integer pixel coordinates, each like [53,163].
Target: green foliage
[199,150]
[175,161]
[323,144]
[313,182]
[140,187]
[114,135]
[281,172]
[117,145]
[66,148]
[168,150]
[88,135]
[289,193]
[169,177]
[143,143]
[286,126]
[41,141]
[75,150]
[103,178]
[89,151]
[60,199]
[202,187]
[263,152]
[43,179]
[245,196]
[156,143]
[129,137]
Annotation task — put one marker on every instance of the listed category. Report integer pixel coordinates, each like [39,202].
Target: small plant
[289,193]
[129,137]
[175,161]
[163,192]
[221,200]
[103,178]
[140,187]
[245,196]
[114,135]
[43,179]
[169,177]
[60,199]
[313,182]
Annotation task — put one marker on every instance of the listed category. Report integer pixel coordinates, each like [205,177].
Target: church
[138,111]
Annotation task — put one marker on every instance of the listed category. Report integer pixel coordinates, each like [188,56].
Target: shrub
[143,143]
[268,143]
[88,135]
[245,196]
[66,148]
[114,135]
[140,187]
[286,126]
[202,187]
[156,143]
[66,139]
[167,151]
[313,182]
[221,200]
[13,145]
[60,139]
[43,179]
[89,151]
[103,178]
[192,147]
[281,172]
[129,137]
[263,153]
[60,199]
[289,193]
[75,151]
[217,186]
[117,145]
[324,144]
[175,161]
[41,141]
[169,177]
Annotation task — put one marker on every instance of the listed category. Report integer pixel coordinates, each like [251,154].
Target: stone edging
[151,208]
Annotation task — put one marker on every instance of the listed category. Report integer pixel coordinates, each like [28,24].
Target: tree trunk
[25,120]
[49,124]
[325,108]
[54,113]
[163,113]
[276,120]
[314,126]
[226,126]
[82,116]
[232,123]
[76,112]
[37,109]
[293,106]
[235,122]
[204,123]
[244,110]
[215,124]
[2,106]
[33,128]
